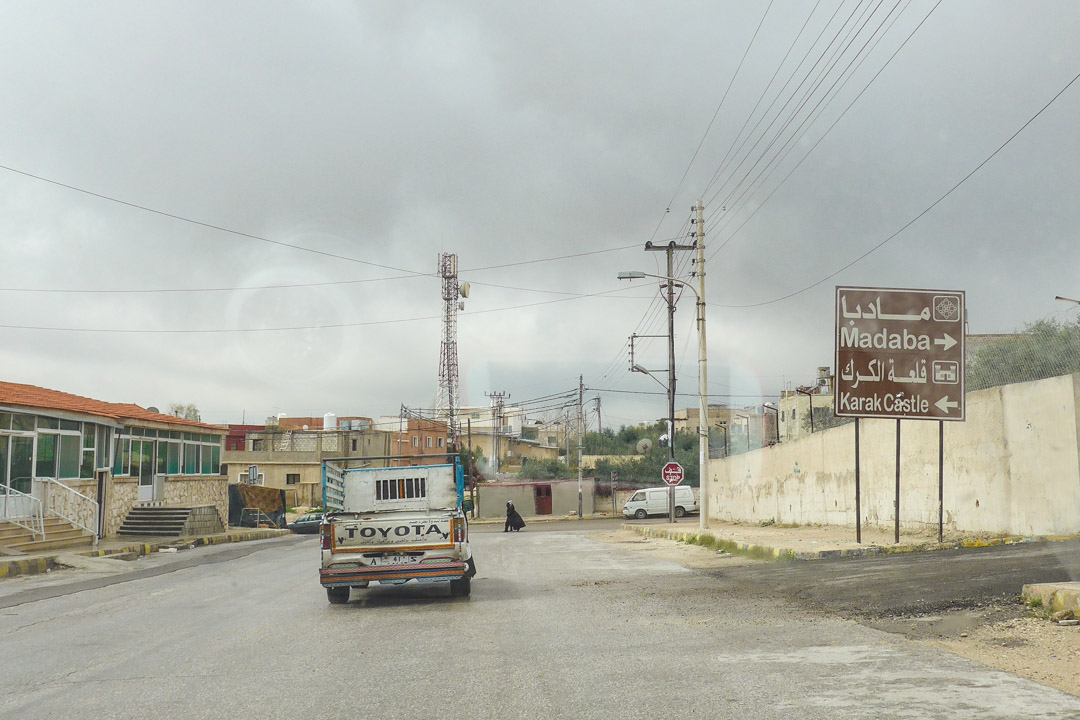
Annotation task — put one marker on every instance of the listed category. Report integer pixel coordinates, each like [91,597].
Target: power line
[825,134]
[211,226]
[911,222]
[331,326]
[413,274]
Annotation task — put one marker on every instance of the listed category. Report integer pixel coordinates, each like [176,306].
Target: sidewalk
[36,563]
[812,542]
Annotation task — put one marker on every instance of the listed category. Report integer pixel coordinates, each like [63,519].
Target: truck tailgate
[396,533]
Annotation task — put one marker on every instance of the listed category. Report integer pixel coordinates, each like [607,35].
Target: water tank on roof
[329,421]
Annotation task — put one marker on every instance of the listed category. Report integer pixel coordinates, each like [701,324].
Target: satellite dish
[464,289]
[644,445]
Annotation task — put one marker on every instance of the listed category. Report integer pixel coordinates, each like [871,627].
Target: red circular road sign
[672,473]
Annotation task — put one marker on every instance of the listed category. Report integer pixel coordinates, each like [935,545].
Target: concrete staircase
[146,521]
[59,534]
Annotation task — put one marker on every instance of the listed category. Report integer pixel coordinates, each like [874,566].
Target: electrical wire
[915,219]
[329,326]
[827,131]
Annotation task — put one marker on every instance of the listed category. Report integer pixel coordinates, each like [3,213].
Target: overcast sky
[373,136]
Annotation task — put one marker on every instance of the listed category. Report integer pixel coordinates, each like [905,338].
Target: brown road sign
[900,353]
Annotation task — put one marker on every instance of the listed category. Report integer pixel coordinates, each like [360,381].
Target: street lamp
[810,395]
[776,411]
[638,369]
[747,419]
[703,394]
[723,426]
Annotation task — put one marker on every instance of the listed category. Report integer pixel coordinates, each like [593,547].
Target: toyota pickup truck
[393,525]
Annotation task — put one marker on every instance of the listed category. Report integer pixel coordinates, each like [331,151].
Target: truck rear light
[459,530]
[325,530]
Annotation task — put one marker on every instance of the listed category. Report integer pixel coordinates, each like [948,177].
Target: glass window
[87,436]
[70,425]
[162,458]
[215,459]
[86,469]
[207,459]
[3,458]
[22,463]
[5,421]
[70,456]
[125,457]
[292,478]
[48,423]
[173,467]
[638,497]
[46,456]
[22,422]
[191,458]
[104,443]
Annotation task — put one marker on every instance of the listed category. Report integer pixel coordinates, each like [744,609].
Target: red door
[542,493]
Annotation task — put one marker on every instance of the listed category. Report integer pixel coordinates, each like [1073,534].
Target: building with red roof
[92,461]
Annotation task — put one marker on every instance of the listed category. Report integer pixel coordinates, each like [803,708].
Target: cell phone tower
[452,292]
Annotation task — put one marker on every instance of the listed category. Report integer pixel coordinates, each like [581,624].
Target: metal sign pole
[897,540]
[858,503]
[941,482]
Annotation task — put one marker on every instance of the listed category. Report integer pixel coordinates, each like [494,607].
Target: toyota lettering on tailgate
[392,534]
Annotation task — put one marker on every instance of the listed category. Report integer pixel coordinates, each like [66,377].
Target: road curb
[47,563]
[767,552]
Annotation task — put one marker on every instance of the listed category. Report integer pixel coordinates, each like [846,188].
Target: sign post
[672,475]
[899,354]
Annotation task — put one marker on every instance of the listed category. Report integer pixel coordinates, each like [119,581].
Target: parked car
[307,523]
[654,501]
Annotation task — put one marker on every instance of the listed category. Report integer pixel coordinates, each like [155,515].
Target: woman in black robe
[513,518]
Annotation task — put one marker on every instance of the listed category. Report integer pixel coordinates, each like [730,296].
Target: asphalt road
[558,625]
[914,583]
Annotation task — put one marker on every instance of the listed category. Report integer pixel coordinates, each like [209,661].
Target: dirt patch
[1017,642]
[689,556]
[1005,634]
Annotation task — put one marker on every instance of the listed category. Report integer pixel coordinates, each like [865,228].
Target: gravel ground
[1006,636]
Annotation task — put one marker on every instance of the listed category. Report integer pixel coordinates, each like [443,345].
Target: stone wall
[197,491]
[121,496]
[1012,467]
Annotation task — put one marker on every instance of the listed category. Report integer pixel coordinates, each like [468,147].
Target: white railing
[23,510]
[71,505]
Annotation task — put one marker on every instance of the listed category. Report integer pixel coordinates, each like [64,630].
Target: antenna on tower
[447,402]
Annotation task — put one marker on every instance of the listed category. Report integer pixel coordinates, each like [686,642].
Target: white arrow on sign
[943,404]
[947,341]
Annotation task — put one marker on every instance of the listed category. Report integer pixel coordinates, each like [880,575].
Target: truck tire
[337,595]
[460,588]
[680,511]
[641,514]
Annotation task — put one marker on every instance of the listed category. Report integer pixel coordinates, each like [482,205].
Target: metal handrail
[259,517]
[75,500]
[36,517]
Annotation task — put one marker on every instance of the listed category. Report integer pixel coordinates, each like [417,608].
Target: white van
[654,501]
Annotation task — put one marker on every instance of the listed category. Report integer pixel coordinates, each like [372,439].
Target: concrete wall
[492,497]
[1012,467]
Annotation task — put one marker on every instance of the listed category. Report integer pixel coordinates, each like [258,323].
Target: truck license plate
[394,560]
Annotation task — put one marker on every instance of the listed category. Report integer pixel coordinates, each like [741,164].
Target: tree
[189,411]
[823,419]
[1043,349]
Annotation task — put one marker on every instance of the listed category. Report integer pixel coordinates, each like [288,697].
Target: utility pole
[496,424]
[670,249]
[580,438]
[703,374]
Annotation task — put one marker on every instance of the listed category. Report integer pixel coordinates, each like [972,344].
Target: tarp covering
[269,501]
